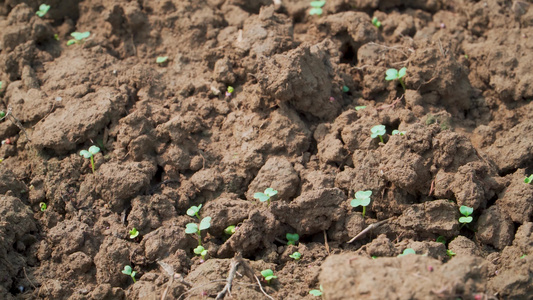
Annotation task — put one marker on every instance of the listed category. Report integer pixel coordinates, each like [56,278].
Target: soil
[170,138]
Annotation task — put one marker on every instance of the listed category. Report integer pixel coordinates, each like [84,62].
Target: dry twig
[15,121]
[367,229]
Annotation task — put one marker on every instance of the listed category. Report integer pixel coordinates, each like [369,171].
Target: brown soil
[171,139]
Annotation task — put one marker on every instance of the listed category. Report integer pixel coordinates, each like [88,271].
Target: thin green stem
[381,139]
[364,207]
[92,162]
[133,277]
[199,238]
[403,84]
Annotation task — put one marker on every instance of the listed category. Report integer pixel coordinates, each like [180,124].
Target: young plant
[362,198]
[358,108]
[317,293]
[134,233]
[316,7]
[296,255]
[345,89]
[376,22]
[268,274]
[192,228]
[229,91]
[161,60]
[378,131]
[78,37]
[466,212]
[269,192]
[396,131]
[43,9]
[129,271]
[90,154]
[529,179]
[193,211]
[450,253]
[200,250]
[393,74]
[230,230]
[407,252]
[441,239]
[292,238]
[43,206]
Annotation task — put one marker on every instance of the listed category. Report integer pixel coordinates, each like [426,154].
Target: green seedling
[317,293]
[374,257]
[192,228]
[523,256]
[292,238]
[378,131]
[396,131]
[316,7]
[358,108]
[90,154]
[268,274]
[296,255]
[193,211]
[230,229]
[78,37]
[393,74]
[450,253]
[407,252]
[376,22]
[43,206]
[441,239]
[134,233]
[529,179]
[269,192]
[466,212]
[56,36]
[200,250]
[161,59]
[229,91]
[43,9]
[345,89]
[362,198]
[129,271]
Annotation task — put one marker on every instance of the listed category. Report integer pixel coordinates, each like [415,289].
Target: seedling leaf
[161,59]
[377,130]
[193,210]
[363,194]
[127,270]
[94,149]
[318,3]
[316,293]
[441,239]
[86,154]
[198,250]
[134,233]
[391,74]
[296,255]
[191,228]
[230,230]
[292,238]
[465,219]
[205,223]
[402,72]
[270,192]
[43,9]
[261,197]
[80,35]
[529,179]
[315,11]
[268,274]
[358,108]
[466,211]
[408,251]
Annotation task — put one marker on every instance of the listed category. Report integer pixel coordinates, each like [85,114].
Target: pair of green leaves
[90,153]
[192,228]
[269,192]
[129,271]
[193,211]
[378,131]
[268,274]
[292,238]
[78,37]
[466,212]
[362,198]
[200,250]
[43,9]
[316,7]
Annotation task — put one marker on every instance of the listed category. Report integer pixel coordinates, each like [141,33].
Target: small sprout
[134,233]
[200,250]
[317,293]
[345,89]
[78,37]
[407,251]
[362,198]
[43,9]
[466,56]
[378,131]
[316,7]
[358,108]
[296,255]
[129,271]
[376,22]
[268,274]
[269,192]
[229,91]
[43,206]
[2,114]
[529,179]
[292,238]
[230,230]
[161,59]
[523,256]
[193,211]
[466,212]
[396,131]
[374,257]
[393,74]
[1,160]
[450,253]
[192,228]
[441,239]
[56,36]
[90,154]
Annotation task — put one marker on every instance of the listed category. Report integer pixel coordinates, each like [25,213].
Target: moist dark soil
[171,137]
